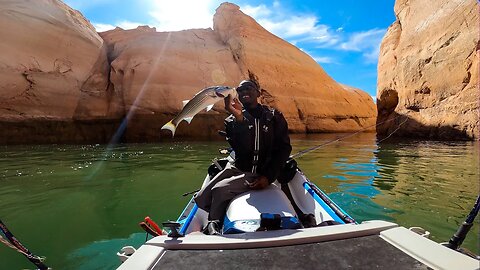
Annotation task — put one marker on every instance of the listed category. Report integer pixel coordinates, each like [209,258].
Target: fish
[205,99]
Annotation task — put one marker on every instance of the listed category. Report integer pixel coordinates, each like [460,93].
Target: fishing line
[303,152]
[393,131]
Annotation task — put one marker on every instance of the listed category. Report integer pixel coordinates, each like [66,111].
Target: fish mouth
[220,94]
[220,90]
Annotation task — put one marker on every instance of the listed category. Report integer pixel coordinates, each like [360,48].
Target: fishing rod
[459,236]
[15,244]
[308,150]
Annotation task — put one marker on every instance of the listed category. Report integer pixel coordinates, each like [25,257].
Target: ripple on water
[91,187]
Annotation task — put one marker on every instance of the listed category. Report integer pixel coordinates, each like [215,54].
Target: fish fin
[170,126]
[188,119]
[185,102]
[209,107]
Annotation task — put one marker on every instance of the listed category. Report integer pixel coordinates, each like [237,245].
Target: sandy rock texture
[156,71]
[60,81]
[290,79]
[53,74]
[428,71]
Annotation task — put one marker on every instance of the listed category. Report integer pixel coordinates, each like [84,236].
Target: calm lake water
[78,205]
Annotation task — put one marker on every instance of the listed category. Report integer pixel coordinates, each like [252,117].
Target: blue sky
[343,36]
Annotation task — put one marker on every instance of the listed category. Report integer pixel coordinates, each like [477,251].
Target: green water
[78,205]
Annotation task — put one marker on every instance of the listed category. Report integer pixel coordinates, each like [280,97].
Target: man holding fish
[259,136]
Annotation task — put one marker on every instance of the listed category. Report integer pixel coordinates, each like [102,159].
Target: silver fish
[204,99]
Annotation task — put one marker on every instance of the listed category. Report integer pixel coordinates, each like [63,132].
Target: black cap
[248,84]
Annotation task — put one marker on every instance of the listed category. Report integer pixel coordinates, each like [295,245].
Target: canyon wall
[428,71]
[62,82]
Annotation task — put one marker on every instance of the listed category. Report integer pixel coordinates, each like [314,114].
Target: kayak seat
[245,211]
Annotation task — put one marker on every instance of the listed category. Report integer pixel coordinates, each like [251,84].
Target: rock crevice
[434,85]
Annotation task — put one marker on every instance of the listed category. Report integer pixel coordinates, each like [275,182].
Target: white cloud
[183,14]
[302,29]
[170,15]
[129,25]
[367,42]
[257,12]
[296,28]
[320,59]
[83,5]
[101,27]
[324,59]
[292,27]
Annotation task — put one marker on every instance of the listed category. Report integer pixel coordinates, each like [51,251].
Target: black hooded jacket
[260,141]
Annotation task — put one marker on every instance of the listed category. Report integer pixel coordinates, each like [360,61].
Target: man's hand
[259,183]
[234,106]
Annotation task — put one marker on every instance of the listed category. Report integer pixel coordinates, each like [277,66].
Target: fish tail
[170,126]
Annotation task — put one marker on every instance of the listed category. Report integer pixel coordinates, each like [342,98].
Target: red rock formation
[428,70]
[155,71]
[53,71]
[291,80]
[53,53]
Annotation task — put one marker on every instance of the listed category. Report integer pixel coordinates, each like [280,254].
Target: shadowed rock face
[60,81]
[428,71]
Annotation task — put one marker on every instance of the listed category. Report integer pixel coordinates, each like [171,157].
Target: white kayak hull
[378,244]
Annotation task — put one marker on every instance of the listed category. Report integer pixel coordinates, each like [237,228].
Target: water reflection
[434,184]
[69,202]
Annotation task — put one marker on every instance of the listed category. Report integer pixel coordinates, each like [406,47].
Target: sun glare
[183,14]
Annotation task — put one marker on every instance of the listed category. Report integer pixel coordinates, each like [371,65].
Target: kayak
[261,229]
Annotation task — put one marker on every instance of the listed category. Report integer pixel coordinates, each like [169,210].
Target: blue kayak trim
[346,217]
[186,221]
[322,203]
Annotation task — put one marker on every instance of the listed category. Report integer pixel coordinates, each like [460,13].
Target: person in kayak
[259,136]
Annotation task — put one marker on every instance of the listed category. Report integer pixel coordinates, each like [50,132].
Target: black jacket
[273,142]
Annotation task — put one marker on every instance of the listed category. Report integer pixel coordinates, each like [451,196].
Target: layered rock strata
[63,82]
[53,75]
[291,80]
[428,71]
[156,70]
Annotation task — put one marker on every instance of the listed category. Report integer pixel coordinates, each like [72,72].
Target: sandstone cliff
[156,70]
[428,71]
[53,72]
[291,80]
[63,82]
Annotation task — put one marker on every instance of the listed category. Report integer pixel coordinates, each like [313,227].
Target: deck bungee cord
[13,243]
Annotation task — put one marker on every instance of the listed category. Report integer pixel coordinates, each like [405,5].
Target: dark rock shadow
[395,125]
